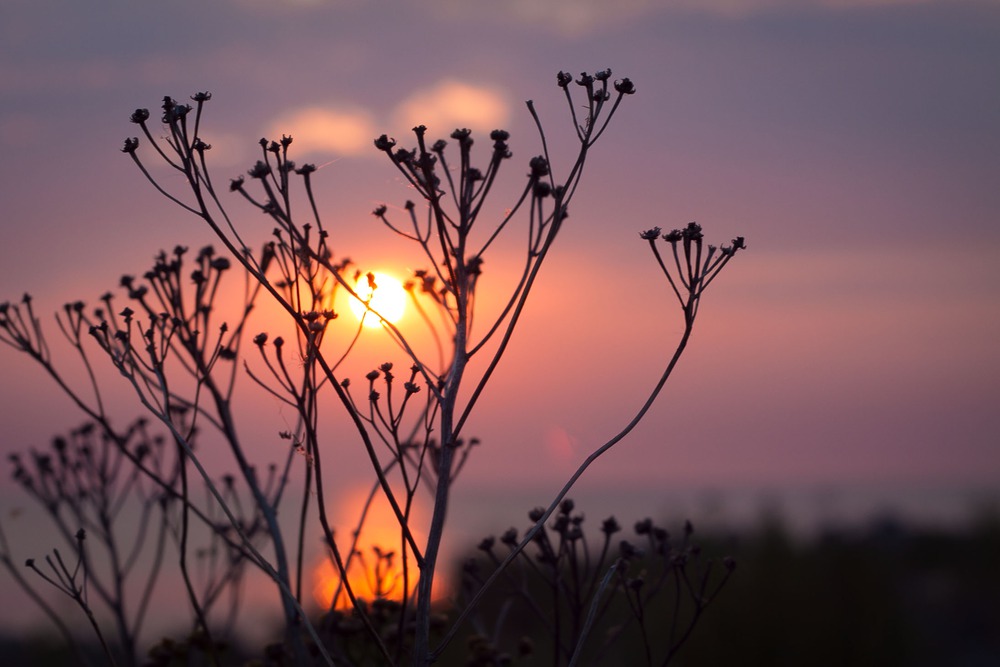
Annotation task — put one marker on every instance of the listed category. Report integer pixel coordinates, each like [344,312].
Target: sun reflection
[388,299]
[376,570]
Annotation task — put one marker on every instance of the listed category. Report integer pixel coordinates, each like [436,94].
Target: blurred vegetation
[885,594]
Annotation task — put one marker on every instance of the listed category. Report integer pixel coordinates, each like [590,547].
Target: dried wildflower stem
[46,608]
[65,582]
[597,453]
[592,613]
[279,576]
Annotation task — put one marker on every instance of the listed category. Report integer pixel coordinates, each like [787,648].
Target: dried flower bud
[542,189]
[625,86]
[131,145]
[384,143]
[539,166]
[536,514]
[404,156]
[650,234]
[139,116]
[564,79]
[372,376]
[509,537]
[603,75]
[610,526]
[627,550]
[260,339]
[693,231]
[259,170]
[202,97]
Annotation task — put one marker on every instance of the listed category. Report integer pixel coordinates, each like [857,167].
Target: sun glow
[376,569]
[385,296]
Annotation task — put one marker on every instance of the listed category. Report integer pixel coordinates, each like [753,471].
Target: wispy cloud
[576,18]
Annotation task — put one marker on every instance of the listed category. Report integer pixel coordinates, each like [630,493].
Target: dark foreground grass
[886,594]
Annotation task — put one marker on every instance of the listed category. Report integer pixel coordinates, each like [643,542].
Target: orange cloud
[451,104]
[327,130]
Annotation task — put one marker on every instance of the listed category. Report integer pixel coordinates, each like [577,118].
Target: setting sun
[376,569]
[388,299]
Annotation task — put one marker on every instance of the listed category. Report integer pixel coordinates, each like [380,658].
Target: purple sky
[856,145]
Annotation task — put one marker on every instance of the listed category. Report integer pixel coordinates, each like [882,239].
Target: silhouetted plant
[655,586]
[182,361]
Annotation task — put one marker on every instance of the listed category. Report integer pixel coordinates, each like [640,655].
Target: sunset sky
[854,143]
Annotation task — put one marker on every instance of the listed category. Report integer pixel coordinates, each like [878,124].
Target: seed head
[384,143]
[625,86]
[539,166]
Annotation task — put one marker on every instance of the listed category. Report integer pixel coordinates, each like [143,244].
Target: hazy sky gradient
[856,145]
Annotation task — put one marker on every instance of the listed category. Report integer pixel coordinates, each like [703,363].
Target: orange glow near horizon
[376,570]
[388,299]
